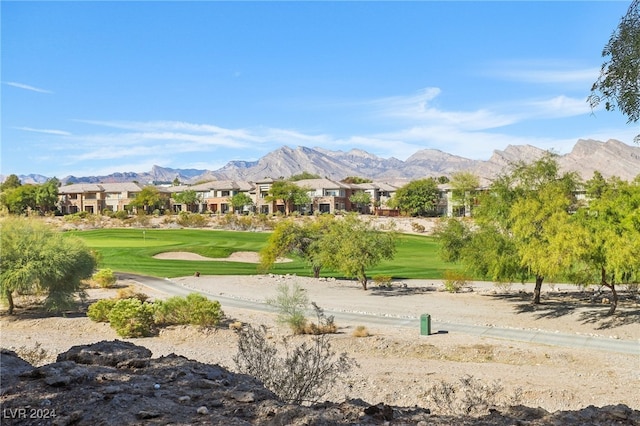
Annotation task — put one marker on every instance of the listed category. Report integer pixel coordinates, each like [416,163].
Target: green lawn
[132,250]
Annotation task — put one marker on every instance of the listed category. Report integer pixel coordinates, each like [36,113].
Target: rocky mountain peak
[611,158]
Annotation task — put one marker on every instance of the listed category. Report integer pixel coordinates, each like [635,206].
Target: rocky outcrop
[116,383]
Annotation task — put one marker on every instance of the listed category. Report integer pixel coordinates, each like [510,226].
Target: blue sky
[93,88]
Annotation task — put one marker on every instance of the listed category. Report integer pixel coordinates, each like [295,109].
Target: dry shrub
[382,280]
[361,331]
[454,281]
[417,227]
[236,326]
[470,396]
[325,325]
[131,293]
[298,374]
[33,355]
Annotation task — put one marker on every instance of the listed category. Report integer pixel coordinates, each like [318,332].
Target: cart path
[437,327]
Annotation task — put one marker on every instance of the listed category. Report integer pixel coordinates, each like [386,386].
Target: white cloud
[419,108]
[47,131]
[27,87]
[557,107]
[545,72]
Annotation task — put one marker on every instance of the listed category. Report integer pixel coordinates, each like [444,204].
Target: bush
[99,311]
[304,373]
[105,278]
[361,331]
[325,325]
[121,214]
[194,309]
[470,397]
[291,304]
[132,318]
[382,280]
[417,227]
[191,220]
[454,281]
[131,293]
[35,356]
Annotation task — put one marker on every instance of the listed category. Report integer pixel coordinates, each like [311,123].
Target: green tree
[19,200]
[465,186]
[12,181]
[149,199]
[360,199]
[351,246]
[46,195]
[355,180]
[610,239]
[239,201]
[303,176]
[37,258]
[618,85]
[294,238]
[417,198]
[522,227]
[189,198]
[290,194]
[596,186]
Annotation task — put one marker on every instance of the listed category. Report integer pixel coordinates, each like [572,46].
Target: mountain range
[611,158]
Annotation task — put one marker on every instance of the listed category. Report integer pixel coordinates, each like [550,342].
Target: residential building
[212,197]
[94,198]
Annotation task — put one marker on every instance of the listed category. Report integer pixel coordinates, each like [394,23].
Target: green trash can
[425,324]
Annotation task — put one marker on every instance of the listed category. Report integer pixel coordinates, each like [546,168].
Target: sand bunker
[238,256]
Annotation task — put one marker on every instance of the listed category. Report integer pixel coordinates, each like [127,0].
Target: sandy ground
[396,365]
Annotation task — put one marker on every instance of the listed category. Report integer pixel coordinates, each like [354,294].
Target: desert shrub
[194,309]
[105,278]
[417,227]
[236,326]
[191,220]
[121,214]
[291,304]
[140,220]
[325,324]
[238,222]
[382,280]
[132,318]
[33,355]
[361,331]
[168,220]
[264,222]
[470,396]
[99,311]
[131,293]
[303,373]
[454,281]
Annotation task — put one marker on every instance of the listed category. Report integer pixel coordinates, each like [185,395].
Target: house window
[225,193]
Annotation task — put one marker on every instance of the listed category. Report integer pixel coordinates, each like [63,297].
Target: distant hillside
[611,158]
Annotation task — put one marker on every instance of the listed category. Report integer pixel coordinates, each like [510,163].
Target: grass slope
[132,250]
